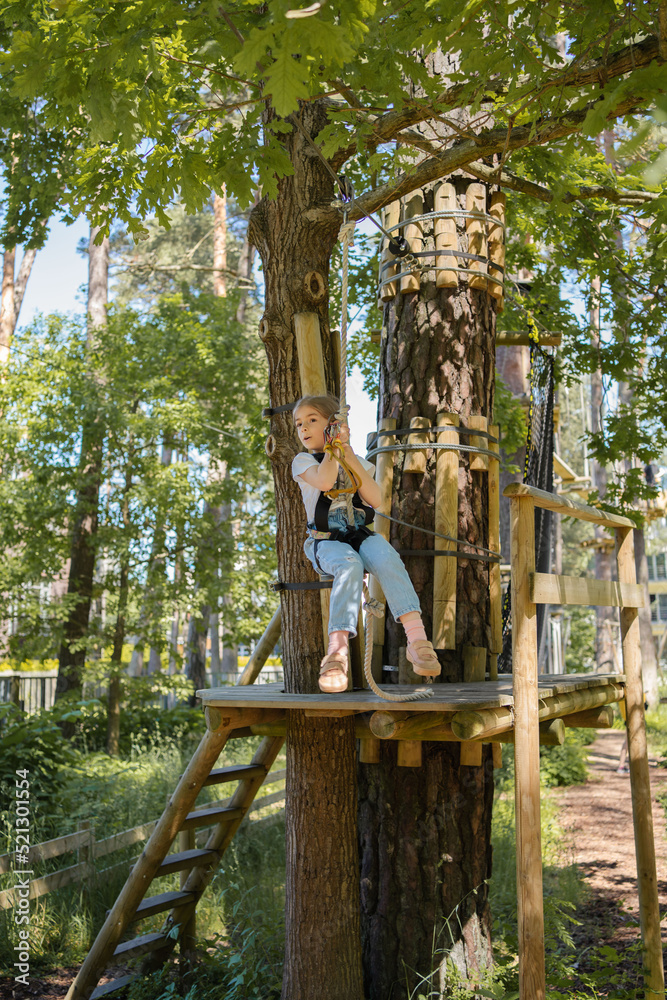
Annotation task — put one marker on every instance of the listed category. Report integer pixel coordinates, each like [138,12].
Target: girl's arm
[323,476]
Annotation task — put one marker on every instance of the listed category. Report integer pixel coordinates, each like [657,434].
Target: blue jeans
[347,568]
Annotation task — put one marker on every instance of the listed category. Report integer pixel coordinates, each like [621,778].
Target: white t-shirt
[310,493]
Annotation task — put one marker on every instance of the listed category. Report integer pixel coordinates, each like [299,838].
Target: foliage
[156,376]
[560,765]
[511,418]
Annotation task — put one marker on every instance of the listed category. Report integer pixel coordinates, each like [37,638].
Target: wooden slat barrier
[547,588]
[528,587]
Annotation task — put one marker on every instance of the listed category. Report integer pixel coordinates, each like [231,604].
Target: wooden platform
[446,697]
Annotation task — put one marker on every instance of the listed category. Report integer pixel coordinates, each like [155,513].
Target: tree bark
[83,538]
[649,657]
[7,305]
[425,832]
[115,685]
[322,951]
[606,621]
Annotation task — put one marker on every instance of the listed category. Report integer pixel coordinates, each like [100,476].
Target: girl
[346,551]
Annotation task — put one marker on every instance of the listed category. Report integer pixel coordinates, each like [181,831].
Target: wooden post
[85,855]
[527,754]
[478,463]
[476,229]
[415,461]
[369,751]
[187,841]
[446,523]
[445,235]
[495,594]
[497,244]
[474,664]
[391,217]
[313,382]
[649,908]
[414,235]
[384,470]
[262,651]
[471,755]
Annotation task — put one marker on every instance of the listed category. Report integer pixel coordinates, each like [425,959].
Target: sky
[57,284]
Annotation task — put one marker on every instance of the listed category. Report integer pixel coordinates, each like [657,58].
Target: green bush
[565,765]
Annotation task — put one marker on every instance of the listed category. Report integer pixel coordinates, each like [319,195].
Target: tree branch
[617,196]
[488,144]
[600,71]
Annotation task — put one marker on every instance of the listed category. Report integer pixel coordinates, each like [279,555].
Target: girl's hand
[344,434]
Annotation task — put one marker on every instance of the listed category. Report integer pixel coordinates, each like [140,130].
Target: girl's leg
[384,562]
[346,567]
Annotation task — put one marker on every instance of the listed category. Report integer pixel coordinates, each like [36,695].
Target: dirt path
[597,818]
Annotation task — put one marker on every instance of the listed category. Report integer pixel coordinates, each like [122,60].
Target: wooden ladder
[133,903]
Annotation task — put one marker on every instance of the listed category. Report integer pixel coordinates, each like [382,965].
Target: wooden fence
[32,690]
[88,849]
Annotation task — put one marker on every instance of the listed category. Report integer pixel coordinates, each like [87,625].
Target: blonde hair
[326,405]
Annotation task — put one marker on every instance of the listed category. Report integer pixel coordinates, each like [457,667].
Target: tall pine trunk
[115,683]
[322,952]
[83,537]
[425,832]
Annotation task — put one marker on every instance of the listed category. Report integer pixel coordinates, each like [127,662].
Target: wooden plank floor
[446,697]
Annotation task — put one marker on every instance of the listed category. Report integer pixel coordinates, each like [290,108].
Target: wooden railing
[529,589]
[88,849]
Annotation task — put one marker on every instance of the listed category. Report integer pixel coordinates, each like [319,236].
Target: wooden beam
[482,723]
[407,725]
[414,234]
[592,718]
[509,339]
[391,216]
[369,751]
[547,588]
[563,470]
[495,591]
[313,382]
[649,907]
[446,523]
[530,905]
[415,461]
[478,463]
[409,753]
[563,505]
[474,664]
[476,230]
[446,237]
[471,755]
[552,734]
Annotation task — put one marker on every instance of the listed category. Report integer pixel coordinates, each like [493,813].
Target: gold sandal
[423,658]
[333,673]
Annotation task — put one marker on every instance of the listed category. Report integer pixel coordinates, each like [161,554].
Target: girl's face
[310,426]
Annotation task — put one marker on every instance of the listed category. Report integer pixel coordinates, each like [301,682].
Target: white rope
[373,608]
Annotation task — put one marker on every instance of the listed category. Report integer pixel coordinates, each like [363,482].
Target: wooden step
[207,817]
[184,860]
[234,773]
[112,987]
[158,904]
[139,945]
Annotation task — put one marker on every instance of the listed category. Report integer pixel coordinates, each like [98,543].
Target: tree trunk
[7,306]
[322,951]
[649,657]
[220,243]
[115,686]
[425,832]
[606,619]
[83,538]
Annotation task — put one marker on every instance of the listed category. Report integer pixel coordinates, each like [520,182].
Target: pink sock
[414,629]
[337,642]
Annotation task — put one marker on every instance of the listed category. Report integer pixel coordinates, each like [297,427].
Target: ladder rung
[234,773]
[112,987]
[140,945]
[186,859]
[165,901]
[207,817]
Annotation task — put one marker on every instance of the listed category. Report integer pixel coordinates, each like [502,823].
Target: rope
[374,609]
